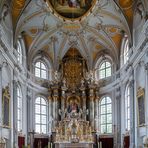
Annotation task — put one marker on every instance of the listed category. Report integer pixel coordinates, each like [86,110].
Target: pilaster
[0,100]
[132,113]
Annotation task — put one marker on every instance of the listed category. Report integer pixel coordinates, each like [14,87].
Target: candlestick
[100,144]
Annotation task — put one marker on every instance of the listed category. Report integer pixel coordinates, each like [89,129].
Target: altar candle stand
[48,144]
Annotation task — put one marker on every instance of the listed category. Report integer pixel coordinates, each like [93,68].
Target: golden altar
[73,145]
[73,131]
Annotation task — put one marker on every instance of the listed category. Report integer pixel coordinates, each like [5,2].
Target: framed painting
[141,106]
[6,107]
[71,9]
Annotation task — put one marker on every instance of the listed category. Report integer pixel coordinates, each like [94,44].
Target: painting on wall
[141,106]
[6,106]
[72,8]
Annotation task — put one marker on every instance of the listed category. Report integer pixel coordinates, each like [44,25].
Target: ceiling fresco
[72,9]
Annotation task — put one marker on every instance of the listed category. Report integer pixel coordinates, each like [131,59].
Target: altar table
[73,145]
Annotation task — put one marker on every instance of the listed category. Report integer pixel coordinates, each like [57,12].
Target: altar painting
[72,8]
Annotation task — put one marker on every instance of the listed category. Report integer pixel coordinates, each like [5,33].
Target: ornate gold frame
[140,95]
[5,95]
[71,19]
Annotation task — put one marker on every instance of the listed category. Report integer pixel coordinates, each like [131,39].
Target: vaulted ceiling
[99,31]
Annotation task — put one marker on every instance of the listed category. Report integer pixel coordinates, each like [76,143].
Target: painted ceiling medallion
[72,9]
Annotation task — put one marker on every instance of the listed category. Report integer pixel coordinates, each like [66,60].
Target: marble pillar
[97,111]
[55,105]
[63,103]
[91,108]
[83,95]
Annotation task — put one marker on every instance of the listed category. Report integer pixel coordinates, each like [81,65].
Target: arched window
[19,52]
[126,51]
[40,115]
[127,107]
[40,70]
[19,109]
[106,115]
[105,69]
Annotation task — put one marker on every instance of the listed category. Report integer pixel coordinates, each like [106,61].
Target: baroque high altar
[73,99]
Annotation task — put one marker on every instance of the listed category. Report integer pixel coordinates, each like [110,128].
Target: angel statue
[57,76]
[90,76]
[62,113]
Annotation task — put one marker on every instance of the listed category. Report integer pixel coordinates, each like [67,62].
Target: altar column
[83,101]
[63,98]
[50,112]
[91,111]
[55,104]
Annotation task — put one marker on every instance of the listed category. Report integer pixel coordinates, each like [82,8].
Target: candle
[100,144]
[48,144]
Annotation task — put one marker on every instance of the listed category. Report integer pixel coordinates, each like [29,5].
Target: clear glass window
[19,109]
[40,70]
[127,107]
[105,70]
[106,115]
[40,115]
[19,52]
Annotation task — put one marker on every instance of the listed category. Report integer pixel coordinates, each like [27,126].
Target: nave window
[106,115]
[40,115]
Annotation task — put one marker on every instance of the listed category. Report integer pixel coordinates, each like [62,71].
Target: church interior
[73,73]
